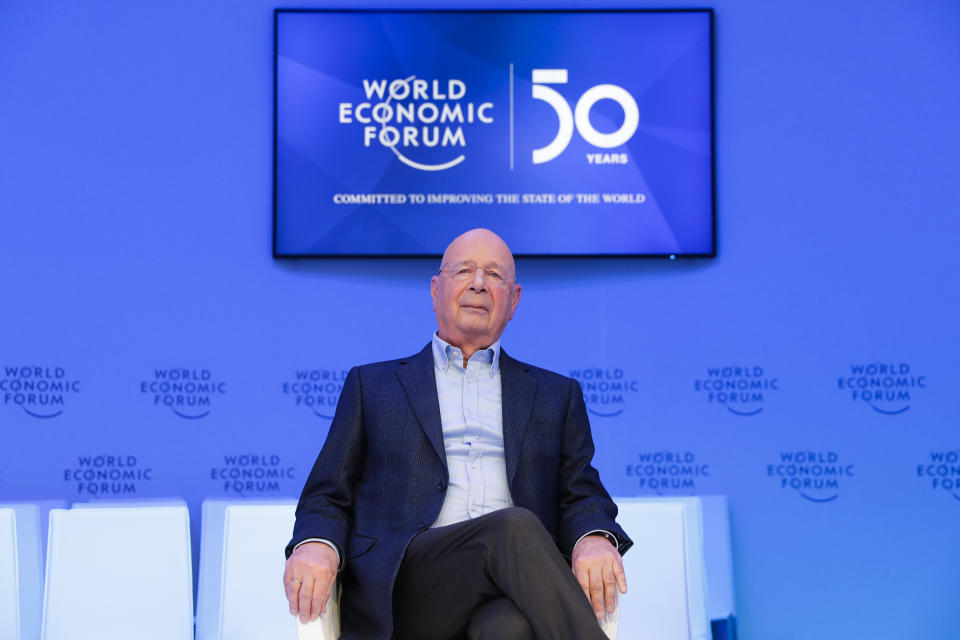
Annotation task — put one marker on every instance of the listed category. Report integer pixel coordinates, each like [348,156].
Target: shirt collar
[443,351]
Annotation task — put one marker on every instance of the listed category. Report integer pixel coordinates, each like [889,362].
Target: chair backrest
[240,593]
[116,573]
[666,597]
[29,567]
[718,557]
[697,595]
[132,502]
[44,507]
[9,578]
[711,523]
[213,514]
[253,605]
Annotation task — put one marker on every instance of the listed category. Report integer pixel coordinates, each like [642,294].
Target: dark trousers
[496,577]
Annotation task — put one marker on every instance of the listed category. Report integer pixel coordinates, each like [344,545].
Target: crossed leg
[497,576]
[499,619]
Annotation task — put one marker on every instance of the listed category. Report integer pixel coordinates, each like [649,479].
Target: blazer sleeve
[325,509]
[583,503]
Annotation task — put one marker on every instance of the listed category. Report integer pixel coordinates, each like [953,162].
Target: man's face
[475,294]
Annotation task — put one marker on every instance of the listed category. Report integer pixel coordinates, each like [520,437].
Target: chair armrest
[609,621]
[327,626]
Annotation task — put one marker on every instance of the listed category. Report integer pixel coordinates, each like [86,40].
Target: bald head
[475,293]
[483,240]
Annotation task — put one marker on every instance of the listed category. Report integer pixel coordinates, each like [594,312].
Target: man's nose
[478,281]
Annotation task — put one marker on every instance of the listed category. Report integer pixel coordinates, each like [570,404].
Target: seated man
[453,483]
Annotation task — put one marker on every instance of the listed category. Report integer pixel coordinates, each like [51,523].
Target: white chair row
[109,573]
[116,572]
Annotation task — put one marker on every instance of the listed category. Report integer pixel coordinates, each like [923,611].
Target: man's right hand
[308,579]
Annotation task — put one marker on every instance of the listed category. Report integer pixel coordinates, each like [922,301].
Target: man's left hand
[599,570]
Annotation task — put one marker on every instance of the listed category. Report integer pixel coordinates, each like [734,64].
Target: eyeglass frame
[471,268]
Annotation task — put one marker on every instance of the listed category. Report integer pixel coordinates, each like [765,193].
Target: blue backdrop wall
[808,372]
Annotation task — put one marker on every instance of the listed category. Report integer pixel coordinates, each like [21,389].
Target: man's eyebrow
[466,263]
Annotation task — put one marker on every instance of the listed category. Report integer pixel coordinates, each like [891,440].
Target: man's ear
[516,299]
[434,283]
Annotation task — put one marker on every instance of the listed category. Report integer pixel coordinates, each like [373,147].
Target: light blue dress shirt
[472,420]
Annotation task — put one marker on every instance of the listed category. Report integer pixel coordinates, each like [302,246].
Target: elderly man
[453,483]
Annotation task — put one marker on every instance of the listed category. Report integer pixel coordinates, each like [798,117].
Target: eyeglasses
[465,271]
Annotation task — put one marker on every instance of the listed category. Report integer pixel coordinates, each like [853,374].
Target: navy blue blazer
[381,476]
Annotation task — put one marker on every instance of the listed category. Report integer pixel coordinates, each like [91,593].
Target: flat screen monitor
[572,133]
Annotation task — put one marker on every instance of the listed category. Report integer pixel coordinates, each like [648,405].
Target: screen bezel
[712,123]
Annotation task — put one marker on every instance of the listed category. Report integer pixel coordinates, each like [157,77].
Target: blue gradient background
[662,59]
[135,233]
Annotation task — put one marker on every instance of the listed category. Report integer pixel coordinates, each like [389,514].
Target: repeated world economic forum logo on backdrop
[393,126]
[188,393]
[814,475]
[40,391]
[743,390]
[888,388]
[96,475]
[607,391]
[315,390]
[940,471]
[247,474]
[667,472]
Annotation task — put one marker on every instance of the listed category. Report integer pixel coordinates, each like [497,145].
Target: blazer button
[441,486]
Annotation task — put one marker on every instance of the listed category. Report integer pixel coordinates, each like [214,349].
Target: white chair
[326,627]
[44,507]
[241,577]
[212,516]
[709,535]
[9,577]
[718,560]
[116,573]
[665,570]
[29,571]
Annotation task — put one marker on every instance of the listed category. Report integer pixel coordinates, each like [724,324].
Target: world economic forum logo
[317,390]
[606,391]
[40,391]
[887,388]
[249,474]
[405,114]
[742,390]
[816,476]
[188,393]
[107,475]
[942,472]
[668,472]
[412,114]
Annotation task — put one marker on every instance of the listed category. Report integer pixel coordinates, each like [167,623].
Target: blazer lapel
[418,381]
[518,388]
